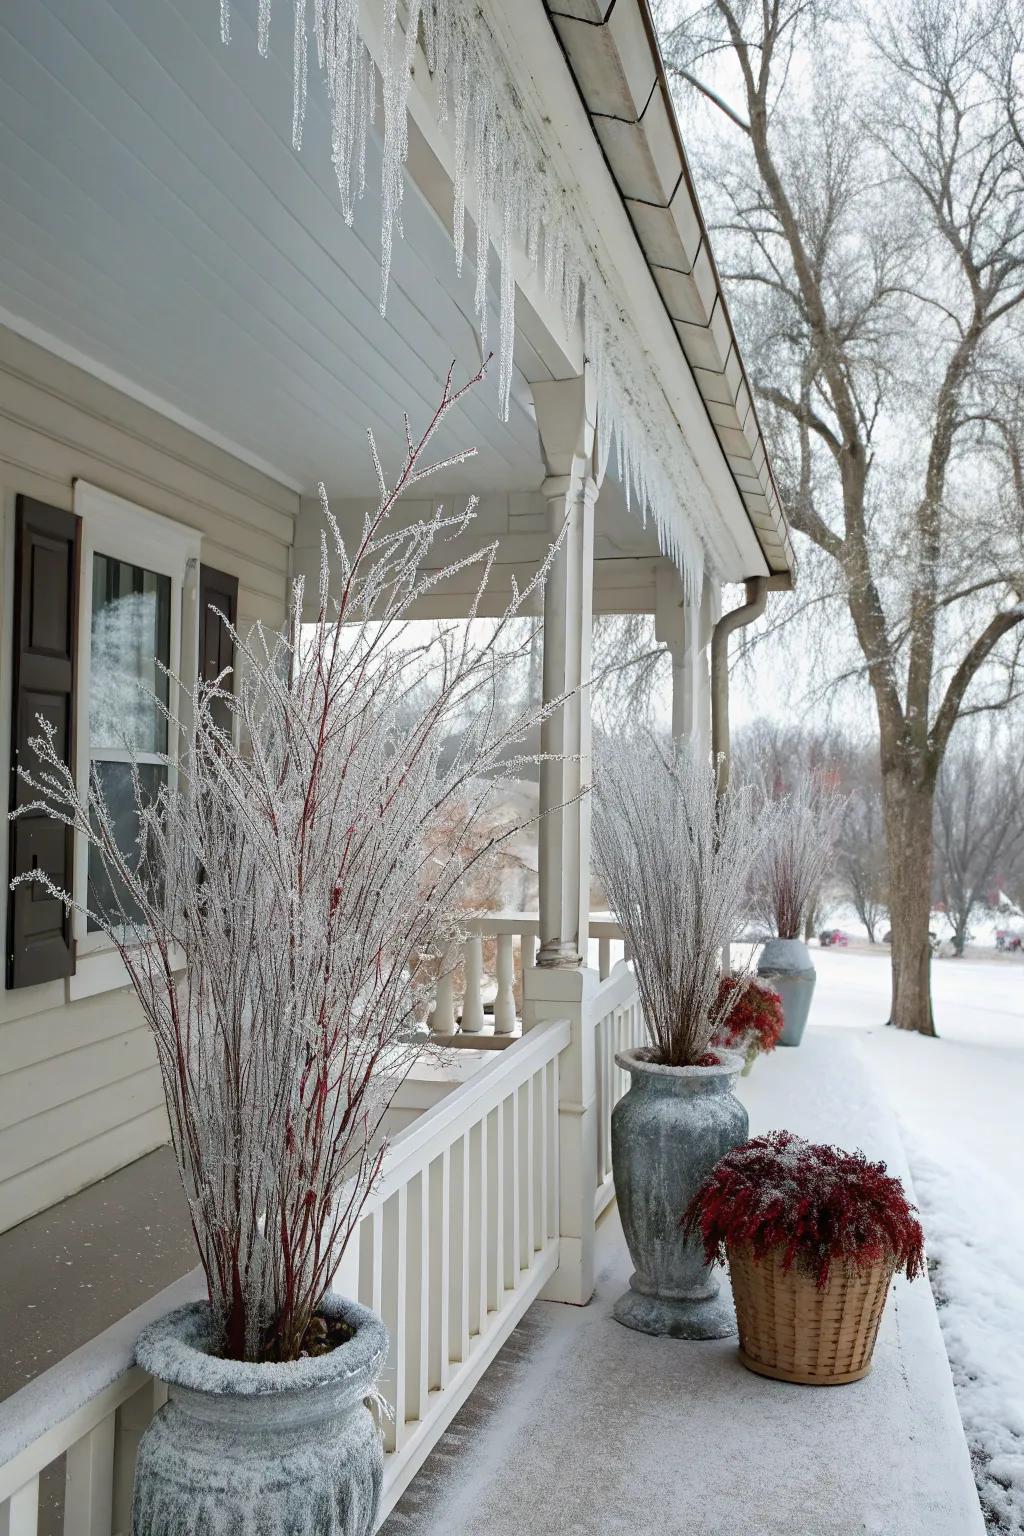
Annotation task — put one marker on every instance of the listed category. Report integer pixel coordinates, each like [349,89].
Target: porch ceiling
[155,220]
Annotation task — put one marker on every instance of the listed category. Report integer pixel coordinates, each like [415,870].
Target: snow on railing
[455,1243]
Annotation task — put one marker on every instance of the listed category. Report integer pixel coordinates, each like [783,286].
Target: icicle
[301,74]
[518,203]
[225,21]
[461,114]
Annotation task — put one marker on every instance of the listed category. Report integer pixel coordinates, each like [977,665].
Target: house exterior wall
[79,1089]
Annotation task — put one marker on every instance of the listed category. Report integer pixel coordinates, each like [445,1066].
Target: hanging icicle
[502,175]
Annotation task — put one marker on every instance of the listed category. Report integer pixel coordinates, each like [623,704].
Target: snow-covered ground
[959,1100]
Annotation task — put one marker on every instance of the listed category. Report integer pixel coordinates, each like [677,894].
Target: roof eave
[612,51]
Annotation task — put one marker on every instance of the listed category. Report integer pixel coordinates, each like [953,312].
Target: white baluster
[527,951]
[510,1134]
[20,1515]
[441,1222]
[472,1002]
[505,1001]
[394,1265]
[460,1286]
[442,1016]
[604,958]
[89,1483]
[479,1230]
[419,1240]
[495,1208]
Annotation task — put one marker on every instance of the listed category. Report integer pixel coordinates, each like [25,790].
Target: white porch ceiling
[155,219]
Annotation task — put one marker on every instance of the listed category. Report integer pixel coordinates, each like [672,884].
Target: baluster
[540,1162]
[437,1184]
[510,1133]
[527,949]
[524,1111]
[442,1015]
[505,1001]
[472,1002]
[132,1420]
[460,1268]
[89,1483]
[479,1237]
[393,1311]
[604,958]
[495,1209]
[20,1515]
[417,1297]
[553,1211]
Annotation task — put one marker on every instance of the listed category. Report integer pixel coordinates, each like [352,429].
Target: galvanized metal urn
[787,965]
[260,1450]
[668,1131]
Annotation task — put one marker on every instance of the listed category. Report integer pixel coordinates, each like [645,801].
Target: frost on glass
[293,895]
[504,174]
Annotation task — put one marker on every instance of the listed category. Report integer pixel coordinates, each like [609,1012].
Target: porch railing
[473,993]
[483,1198]
[458,1239]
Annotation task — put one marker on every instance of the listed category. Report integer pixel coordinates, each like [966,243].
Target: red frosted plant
[816,1204]
[750,1015]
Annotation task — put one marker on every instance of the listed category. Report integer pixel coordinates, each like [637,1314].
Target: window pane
[131,631]
[116,783]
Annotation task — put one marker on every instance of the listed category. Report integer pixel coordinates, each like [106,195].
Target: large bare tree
[865,173]
[979,828]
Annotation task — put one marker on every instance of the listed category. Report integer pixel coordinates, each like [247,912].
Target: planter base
[712,1317]
[777,1374]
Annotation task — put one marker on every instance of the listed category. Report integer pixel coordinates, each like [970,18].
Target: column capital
[571,487]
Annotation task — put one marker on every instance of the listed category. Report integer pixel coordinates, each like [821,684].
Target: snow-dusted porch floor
[582,1427]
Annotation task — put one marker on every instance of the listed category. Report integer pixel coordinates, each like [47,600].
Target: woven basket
[793,1332]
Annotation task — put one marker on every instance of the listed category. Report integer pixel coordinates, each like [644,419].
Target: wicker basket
[793,1332]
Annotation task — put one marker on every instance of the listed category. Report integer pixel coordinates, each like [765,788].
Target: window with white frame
[137,616]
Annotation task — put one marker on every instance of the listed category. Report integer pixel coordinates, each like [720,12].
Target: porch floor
[581,1426]
[73,1270]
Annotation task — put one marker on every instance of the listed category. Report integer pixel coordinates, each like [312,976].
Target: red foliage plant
[751,1015]
[818,1204]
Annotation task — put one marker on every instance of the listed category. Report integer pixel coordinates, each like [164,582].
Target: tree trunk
[908,820]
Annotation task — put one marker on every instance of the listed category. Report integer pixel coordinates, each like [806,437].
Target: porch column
[566,427]
[560,986]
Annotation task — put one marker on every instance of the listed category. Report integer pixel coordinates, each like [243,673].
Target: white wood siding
[79,1090]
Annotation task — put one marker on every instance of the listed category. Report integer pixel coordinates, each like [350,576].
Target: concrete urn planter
[260,1450]
[787,965]
[668,1131]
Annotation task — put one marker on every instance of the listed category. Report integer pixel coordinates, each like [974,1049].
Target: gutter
[736,618]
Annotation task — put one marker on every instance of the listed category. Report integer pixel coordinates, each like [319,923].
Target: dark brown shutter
[39,942]
[216,650]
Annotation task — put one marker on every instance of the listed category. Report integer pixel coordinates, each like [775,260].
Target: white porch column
[566,426]
[685,627]
[560,986]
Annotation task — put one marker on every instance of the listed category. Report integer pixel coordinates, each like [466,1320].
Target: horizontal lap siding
[79,1088]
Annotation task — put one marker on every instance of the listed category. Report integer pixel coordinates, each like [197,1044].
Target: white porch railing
[458,1239]
[483,1198]
[512,939]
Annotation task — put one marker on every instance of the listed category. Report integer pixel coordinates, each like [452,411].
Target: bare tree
[862,867]
[867,179]
[979,829]
[631,670]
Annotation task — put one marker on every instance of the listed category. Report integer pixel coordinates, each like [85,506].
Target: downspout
[737,618]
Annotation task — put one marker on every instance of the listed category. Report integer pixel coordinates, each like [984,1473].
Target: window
[138,614]
[130,635]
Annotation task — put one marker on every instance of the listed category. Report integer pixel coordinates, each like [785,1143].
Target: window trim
[115,527]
